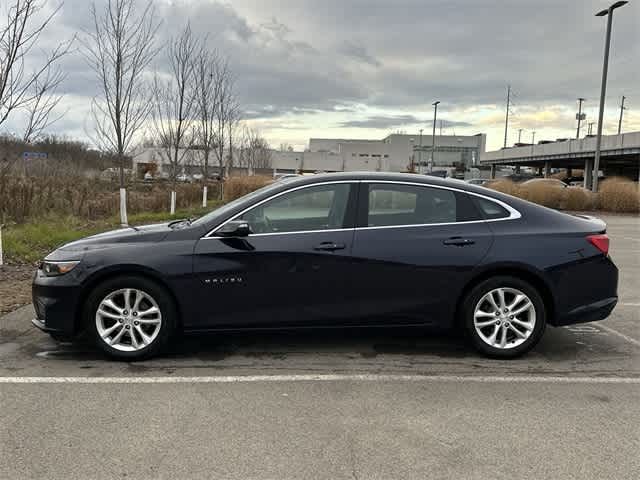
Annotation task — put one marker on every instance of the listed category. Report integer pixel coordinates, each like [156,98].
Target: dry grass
[547,195]
[505,186]
[619,195]
[24,197]
[615,195]
[578,198]
[236,187]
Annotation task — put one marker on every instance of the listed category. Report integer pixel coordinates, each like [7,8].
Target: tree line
[191,106]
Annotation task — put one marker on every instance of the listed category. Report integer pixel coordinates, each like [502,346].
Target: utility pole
[622,109]
[590,131]
[420,153]
[580,116]
[519,134]
[433,136]
[603,91]
[506,119]
[533,141]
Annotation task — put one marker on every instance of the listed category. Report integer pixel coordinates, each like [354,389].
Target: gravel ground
[15,286]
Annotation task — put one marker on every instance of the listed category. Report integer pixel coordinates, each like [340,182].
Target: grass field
[30,242]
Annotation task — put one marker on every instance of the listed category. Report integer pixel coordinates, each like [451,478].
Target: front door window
[322,207]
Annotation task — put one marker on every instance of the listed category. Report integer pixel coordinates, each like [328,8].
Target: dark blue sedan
[336,250]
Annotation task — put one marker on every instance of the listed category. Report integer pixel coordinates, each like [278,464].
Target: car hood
[147,233]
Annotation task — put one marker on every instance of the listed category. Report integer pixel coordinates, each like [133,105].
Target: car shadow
[207,349]
[365,343]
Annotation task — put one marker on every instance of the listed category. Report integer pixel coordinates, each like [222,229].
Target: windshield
[234,203]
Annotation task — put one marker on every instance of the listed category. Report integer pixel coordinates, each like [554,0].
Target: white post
[123,207]
[173,203]
[204,196]
[1,259]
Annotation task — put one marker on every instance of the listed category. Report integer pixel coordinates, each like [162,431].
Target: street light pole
[433,136]
[603,88]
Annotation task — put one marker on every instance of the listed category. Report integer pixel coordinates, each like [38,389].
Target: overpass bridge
[620,155]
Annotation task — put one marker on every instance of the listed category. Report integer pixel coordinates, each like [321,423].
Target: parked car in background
[350,250]
[113,173]
[477,181]
[183,177]
[548,182]
[284,176]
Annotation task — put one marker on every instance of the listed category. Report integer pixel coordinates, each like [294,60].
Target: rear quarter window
[490,209]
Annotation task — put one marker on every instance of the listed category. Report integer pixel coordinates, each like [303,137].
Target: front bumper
[55,300]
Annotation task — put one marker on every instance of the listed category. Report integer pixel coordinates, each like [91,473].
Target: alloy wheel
[128,319]
[504,318]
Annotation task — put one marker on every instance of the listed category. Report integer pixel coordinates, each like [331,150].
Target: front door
[289,270]
[414,250]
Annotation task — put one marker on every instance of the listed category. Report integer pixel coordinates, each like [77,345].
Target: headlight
[55,268]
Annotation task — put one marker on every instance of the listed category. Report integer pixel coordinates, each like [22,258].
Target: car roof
[379,176]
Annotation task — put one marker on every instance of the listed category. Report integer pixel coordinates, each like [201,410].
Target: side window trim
[353,184]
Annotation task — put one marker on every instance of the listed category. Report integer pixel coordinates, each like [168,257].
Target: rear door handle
[458,241]
[329,246]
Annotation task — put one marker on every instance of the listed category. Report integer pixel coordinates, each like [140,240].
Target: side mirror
[235,228]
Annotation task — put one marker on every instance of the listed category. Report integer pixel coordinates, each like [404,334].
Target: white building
[394,153]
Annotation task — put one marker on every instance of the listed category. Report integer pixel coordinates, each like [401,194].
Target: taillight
[601,242]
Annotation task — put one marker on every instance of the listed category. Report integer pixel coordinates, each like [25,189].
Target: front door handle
[458,241]
[329,246]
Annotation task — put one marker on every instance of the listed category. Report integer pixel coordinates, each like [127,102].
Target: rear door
[414,249]
[290,270]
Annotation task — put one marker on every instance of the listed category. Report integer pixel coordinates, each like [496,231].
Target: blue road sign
[34,155]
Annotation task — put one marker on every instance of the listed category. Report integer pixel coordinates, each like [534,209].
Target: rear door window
[399,205]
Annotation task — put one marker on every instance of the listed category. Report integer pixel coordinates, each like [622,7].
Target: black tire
[157,292]
[478,292]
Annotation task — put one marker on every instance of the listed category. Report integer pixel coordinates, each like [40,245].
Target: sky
[367,68]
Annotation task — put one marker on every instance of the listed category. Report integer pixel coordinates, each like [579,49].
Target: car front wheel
[130,318]
[504,317]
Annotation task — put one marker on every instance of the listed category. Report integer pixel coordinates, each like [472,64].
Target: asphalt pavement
[331,404]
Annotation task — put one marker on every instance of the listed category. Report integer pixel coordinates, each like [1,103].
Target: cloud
[315,60]
[358,52]
[393,121]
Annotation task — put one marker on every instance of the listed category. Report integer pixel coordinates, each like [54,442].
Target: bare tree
[119,50]
[174,104]
[207,96]
[233,122]
[40,110]
[225,114]
[32,91]
[253,151]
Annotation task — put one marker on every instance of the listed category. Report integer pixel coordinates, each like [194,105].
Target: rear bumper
[585,291]
[589,313]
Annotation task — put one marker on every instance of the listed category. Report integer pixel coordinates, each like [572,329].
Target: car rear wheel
[130,318]
[504,317]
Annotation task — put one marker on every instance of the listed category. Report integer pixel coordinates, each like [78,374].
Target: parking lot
[331,404]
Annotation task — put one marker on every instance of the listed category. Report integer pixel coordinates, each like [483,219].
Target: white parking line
[626,304]
[620,334]
[323,378]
